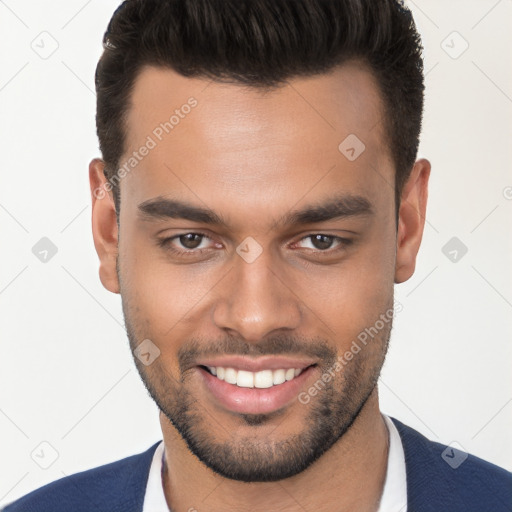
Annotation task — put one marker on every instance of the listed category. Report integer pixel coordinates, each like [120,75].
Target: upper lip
[258,364]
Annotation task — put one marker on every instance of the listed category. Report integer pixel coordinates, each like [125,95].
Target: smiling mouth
[261,379]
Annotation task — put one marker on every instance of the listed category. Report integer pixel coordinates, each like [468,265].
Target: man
[257,199]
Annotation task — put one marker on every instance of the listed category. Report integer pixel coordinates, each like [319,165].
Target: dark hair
[262,44]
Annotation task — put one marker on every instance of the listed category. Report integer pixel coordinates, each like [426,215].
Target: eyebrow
[161,208]
[338,207]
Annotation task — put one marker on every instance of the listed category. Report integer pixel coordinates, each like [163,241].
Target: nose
[257,300]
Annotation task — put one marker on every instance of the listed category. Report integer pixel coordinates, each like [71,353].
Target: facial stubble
[253,458]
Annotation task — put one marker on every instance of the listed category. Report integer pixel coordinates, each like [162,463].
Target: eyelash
[166,243]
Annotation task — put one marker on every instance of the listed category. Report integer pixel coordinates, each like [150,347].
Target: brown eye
[191,240]
[189,245]
[322,242]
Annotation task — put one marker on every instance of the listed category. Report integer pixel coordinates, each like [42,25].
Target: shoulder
[118,486]
[441,477]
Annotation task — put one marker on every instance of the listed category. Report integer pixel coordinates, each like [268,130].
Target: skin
[252,157]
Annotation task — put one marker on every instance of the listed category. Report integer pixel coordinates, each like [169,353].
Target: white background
[66,373]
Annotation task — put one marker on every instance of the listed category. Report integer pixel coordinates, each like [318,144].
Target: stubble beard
[251,458]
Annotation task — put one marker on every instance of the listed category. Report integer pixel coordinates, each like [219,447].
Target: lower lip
[254,400]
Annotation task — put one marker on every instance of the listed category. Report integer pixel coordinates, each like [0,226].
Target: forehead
[347,98]
[242,142]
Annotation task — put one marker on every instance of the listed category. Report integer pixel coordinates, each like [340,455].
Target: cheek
[352,296]
[162,295]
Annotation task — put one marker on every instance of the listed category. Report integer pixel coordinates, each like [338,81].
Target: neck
[348,477]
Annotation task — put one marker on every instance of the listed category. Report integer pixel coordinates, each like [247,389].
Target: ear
[104,225]
[411,221]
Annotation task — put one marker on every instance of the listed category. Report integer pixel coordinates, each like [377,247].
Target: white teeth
[245,379]
[262,379]
[279,376]
[230,375]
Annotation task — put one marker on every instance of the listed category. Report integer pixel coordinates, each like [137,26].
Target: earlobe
[104,225]
[413,207]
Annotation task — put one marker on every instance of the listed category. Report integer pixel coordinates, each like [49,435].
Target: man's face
[248,240]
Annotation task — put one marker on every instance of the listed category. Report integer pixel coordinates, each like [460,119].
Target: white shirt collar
[394,494]
[154,500]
